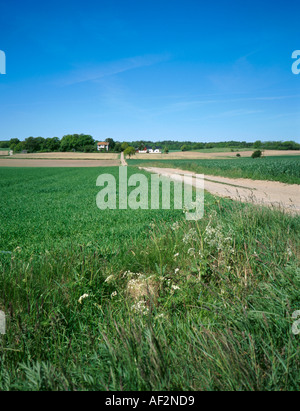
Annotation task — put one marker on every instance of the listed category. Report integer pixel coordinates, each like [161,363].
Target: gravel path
[123,161]
[270,193]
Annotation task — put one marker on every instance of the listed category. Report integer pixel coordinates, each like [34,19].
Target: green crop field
[283,168]
[143,299]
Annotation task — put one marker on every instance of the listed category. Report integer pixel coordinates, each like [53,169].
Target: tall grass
[168,305]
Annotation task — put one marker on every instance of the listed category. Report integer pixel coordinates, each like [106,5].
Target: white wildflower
[134,284]
[82,298]
[185,209]
[113,294]
[191,235]
[175,226]
[140,307]
[175,287]
[109,278]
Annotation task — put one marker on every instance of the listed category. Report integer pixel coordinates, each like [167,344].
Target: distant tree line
[86,143]
[70,142]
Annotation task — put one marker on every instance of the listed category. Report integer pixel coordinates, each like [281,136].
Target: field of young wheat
[142,299]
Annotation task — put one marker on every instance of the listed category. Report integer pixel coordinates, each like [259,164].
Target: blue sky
[140,69]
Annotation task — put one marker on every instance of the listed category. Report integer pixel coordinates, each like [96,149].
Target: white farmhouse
[102,145]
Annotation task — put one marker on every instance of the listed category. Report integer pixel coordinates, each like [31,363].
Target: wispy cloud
[96,72]
[187,104]
[234,113]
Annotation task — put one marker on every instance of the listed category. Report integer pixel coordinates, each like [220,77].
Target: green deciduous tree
[124,146]
[130,151]
[118,148]
[256,154]
[111,143]
[76,142]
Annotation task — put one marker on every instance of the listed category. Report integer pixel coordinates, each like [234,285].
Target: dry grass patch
[68,156]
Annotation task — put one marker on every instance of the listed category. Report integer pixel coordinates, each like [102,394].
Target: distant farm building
[102,145]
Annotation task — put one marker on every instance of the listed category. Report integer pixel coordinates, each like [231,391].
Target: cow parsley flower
[175,226]
[175,287]
[140,307]
[109,278]
[82,298]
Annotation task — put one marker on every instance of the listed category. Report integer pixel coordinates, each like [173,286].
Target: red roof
[103,143]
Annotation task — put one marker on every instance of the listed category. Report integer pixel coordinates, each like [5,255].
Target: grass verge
[143,300]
